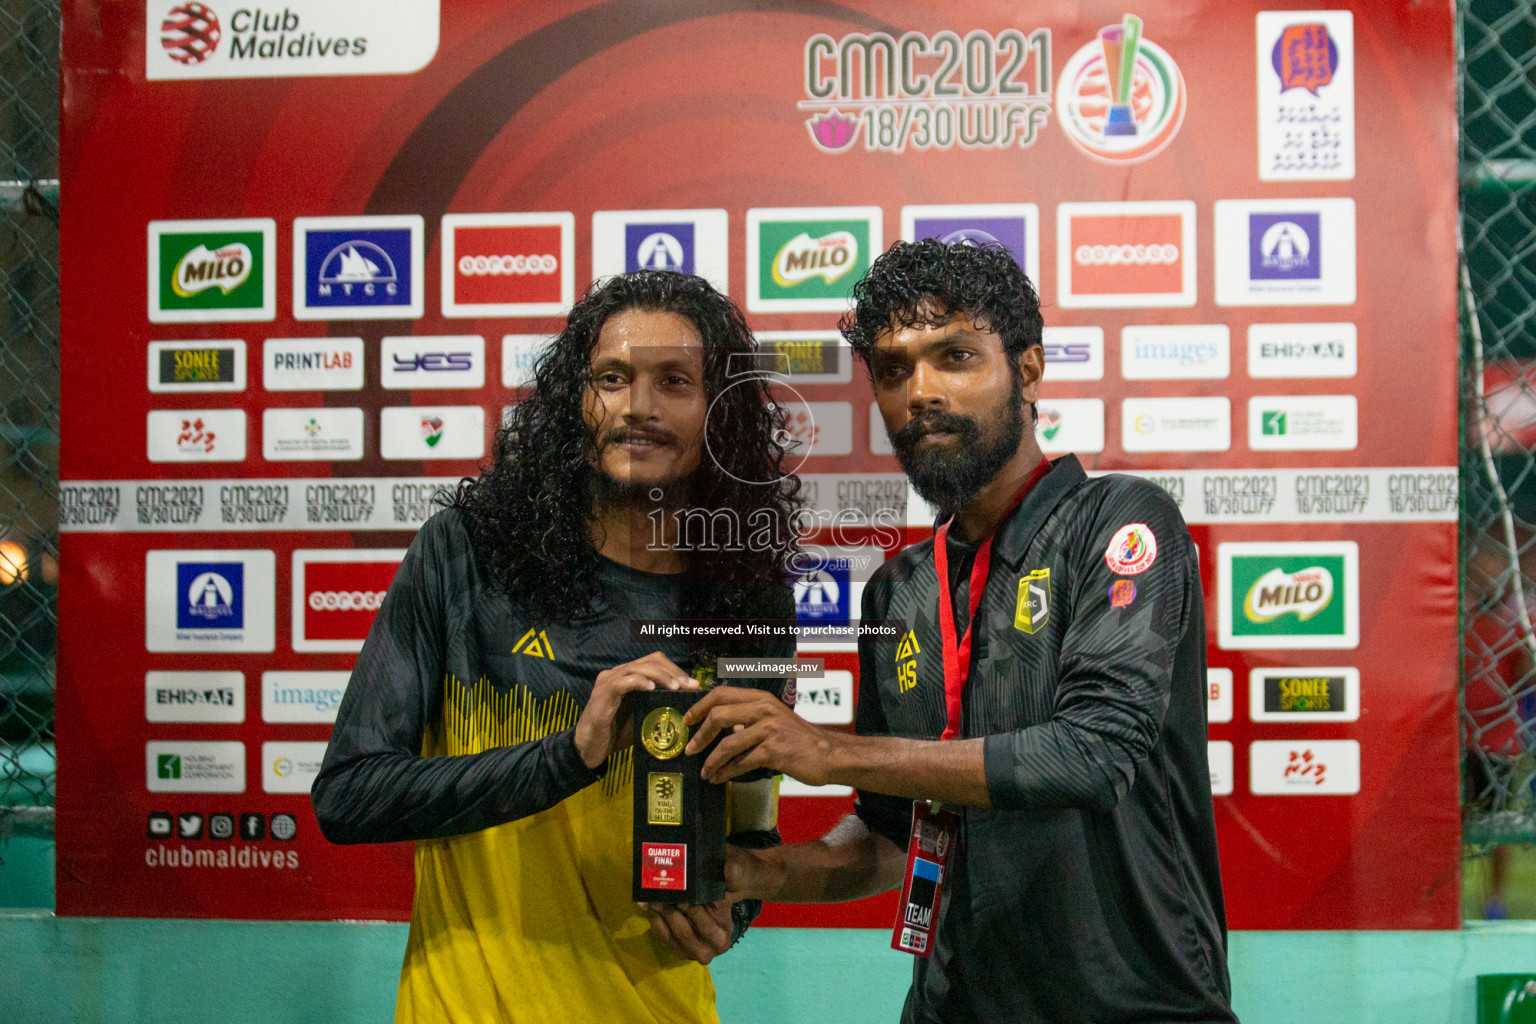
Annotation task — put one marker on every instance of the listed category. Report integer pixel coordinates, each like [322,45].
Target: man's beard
[610,492]
[948,476]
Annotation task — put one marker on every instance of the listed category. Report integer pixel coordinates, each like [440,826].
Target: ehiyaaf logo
[203,271]
[806,260]
[1289,595]
[357,268]
[1121,98]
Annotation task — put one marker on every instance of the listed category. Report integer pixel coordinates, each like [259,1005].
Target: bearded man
[1030,753]
[482,719]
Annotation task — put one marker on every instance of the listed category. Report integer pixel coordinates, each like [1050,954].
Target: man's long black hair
[530,509]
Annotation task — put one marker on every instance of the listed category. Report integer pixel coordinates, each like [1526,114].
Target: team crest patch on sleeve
[1131,550]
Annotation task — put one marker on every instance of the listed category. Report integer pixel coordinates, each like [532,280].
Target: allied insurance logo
[1289,595]
[1115,255]
[357,268]
[1121,98]
[336,594]
[208,600]
[806,259]
[686,241]
[212,595]
[508,264]
[206,271]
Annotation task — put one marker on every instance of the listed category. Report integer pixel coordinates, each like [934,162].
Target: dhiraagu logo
[1289,595]
[807,260]
[204,271]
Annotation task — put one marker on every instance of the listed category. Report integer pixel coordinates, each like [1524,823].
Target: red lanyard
[957,651]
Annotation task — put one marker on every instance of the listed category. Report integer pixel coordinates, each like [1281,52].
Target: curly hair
[930,283]
[530,508]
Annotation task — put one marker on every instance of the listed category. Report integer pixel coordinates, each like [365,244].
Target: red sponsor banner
[341,598]
[1127,255]
[499,265]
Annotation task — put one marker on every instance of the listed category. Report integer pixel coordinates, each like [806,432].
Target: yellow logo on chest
[906,661]
[534,644]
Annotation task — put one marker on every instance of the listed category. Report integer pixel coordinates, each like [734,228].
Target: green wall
[129,970]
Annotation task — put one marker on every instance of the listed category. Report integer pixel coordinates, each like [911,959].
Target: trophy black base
[680,820]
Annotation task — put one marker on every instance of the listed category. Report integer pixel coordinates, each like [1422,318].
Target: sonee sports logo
[191,33]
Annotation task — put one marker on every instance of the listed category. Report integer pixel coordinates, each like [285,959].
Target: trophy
[1121,43]
[680,820]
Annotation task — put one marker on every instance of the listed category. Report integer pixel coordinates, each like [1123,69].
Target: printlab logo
[213,595]
[1284,247]
[658,247]
[366,268]
[1121,98]
[190,33]
[806,260]
[203,271]
[1289,595]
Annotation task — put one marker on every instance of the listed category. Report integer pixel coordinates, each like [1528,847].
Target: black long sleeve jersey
[1090,889]
[457,730]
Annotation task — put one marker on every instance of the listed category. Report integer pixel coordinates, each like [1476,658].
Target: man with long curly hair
[1030,754]
[482,718]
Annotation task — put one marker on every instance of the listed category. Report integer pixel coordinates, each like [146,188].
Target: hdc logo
[508,264]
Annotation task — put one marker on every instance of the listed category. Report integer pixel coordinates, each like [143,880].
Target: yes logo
[806,260]
[906,661]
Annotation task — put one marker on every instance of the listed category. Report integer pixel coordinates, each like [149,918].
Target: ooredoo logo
[1126,254]
[191,33]
[336,595]
[1121,98]
[507,264]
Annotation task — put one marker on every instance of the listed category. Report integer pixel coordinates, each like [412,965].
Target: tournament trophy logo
[1121,98]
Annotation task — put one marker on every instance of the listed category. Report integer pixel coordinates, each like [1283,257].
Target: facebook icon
[658,247]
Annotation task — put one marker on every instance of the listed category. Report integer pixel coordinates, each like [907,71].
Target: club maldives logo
[1121,98]
[1289,595]
[211,270]
[1284,247]
[190,33]
[985,91]
[807,260]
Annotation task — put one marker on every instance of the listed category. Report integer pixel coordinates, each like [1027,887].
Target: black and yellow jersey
[457,731]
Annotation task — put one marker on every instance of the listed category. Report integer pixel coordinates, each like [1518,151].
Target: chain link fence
[29,409]
[1498,399]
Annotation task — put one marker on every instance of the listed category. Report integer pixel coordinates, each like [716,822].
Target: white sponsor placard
[209,600]
[1004,224]
[356,277]
[799,253]
[826,701]
[213,263]
[687,241]
[518,354]
[1073,353]
[183,366]
[1176,424]
[195,435]
[290,766]
[1175,352]
[1274,595]
[1303,423]
[1306,67]
[806,357]
[1069,425]
[822,428]
[194,766]
[1304,767]
[312,364]
[1218,695]
[302,696]
[334,605]
[879,437]
[194,696]
[319,434]
[299,38]
[1424,494]
[1304,694]
[1285,252]
[428,361]
[1218,755]
[432,432]
[1302,350]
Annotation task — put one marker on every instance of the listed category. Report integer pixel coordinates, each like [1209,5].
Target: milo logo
[1289,595]
[829,257]
[226,268]
[1304,593]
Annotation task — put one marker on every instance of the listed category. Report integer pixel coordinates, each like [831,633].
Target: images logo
[365,268]
[1289,595]
[211,270]
[191,33]
[1283,247]
[658,247]
[213,595]
[1121,98]
[806,260]
[507,264]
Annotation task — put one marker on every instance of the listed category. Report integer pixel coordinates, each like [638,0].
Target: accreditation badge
[928,851]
